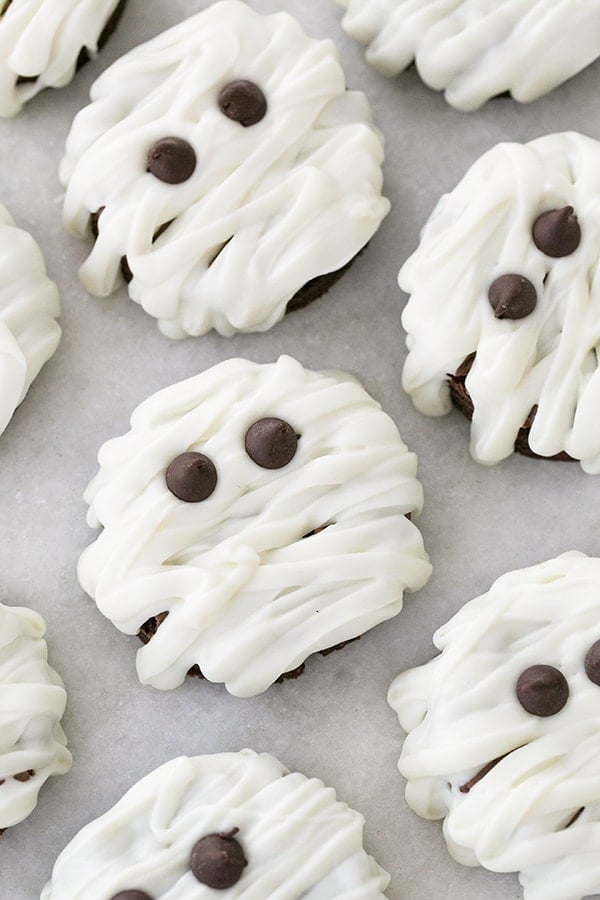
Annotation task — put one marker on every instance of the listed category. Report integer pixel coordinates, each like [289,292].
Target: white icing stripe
[292,197]
[248,598]
[29,303]
[42,39]
[549,359]
[300,842]
[477,49]
[461,712]
[32,702]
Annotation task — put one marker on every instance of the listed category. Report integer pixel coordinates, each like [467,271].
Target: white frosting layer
[299,841]
[42,39]
[295,196]
[550,358]
[461,713]
[32,702]
[476,49]
[29,303]
[249,598]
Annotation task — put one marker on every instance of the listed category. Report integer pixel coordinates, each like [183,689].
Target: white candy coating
[461,712]
[29,333]
[477,49]
[32,702]
[292,197]
[42,39]
[550,358]
[249,597]
[300,842]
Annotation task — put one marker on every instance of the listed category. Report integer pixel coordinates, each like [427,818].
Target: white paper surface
[334,721]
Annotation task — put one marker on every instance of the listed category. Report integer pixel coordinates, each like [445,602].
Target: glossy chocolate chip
[243,101]
[542,690]
[556,232]
[131,895]
[171,160]
[271,443]
[191,477]
[512,297]
[592,663]
[218,860]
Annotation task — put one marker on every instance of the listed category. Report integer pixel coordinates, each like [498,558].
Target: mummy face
[258,514]
[222,167]
[504,313]
[504,729]
[474,50]
[237,823]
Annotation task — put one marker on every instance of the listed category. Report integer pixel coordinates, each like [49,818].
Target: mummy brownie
[476,49]
[225,171]
[504,729]
[239,823]
[43,42]
[504,314]
[29,304]
[253,515]
[32,702]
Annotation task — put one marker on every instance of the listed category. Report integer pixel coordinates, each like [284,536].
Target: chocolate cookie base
[316,287]
[463,402]
[149,629]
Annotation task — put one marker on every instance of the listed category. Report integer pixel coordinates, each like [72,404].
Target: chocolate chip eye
[542,690]
[191,477]
[556,232]
[271,443]
[218,860]
[132,895]
[243,101]
[512,297]
[592,663]
[171,160]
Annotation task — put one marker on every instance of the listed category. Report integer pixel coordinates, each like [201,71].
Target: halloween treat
[32,702]
[477,49]
[504,314]
[225,172]
[253,515]
[43,43]
[504,729]
[29,304]
[237,823]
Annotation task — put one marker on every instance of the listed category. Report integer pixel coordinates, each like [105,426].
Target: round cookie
[474,50]
[32,702]
[233,174]
[29,304]
[504,729]
[302,540]
[238,822]
[43,43]
[504,314]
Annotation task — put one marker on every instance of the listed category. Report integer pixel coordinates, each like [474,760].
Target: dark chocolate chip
[171,160]
[125,270]
[191,477]
[243,101]
[131,895]
[218,860]
[271,443]
[592,663]
[512,297]
[556,232]
[24,776]
[542,690]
